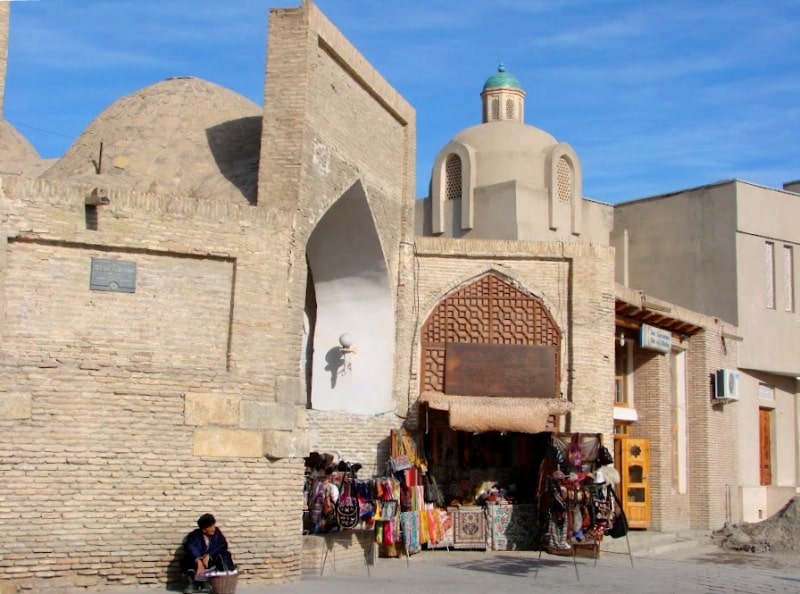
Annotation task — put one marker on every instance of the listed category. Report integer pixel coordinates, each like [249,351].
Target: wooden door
[632,458]
[765,444]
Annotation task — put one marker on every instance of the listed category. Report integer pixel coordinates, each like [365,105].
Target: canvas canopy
[493,413]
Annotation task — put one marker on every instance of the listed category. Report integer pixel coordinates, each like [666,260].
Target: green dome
[501,80]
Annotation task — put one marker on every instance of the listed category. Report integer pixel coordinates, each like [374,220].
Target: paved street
[701,568]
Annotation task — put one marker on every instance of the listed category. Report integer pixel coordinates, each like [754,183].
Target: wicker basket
[223,584]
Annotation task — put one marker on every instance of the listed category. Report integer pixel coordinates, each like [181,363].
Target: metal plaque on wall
[500,370]
[113,275]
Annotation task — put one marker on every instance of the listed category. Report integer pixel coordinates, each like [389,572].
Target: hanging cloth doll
[574,453]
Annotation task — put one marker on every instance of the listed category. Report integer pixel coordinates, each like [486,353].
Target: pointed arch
[489,310]
[565,188]
[351,293]
[451,156]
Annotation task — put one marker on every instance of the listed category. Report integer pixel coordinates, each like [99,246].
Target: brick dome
[182,136]
[17,155]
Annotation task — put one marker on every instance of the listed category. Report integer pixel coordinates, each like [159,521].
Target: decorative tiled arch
[490,310]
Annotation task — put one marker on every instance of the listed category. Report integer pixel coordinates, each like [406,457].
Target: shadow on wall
[175,579]
[236,146]
[334,363]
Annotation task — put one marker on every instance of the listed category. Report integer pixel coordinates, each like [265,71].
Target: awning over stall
[496,413]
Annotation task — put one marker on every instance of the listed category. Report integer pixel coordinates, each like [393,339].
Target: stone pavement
[693,568]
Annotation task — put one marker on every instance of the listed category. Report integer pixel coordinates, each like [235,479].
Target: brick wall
[574,281]
[126,415]
[101,481]
[341,124]
[711,431]
[353,438]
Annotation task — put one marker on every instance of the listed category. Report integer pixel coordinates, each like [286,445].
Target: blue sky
[655,96]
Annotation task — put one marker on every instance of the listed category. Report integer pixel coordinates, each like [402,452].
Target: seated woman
[204,548]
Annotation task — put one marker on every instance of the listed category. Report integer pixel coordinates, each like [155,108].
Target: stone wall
[126,415]
[105,472]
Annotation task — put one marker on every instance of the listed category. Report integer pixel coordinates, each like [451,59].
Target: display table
[511,527]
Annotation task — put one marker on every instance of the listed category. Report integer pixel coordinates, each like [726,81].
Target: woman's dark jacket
[217,550]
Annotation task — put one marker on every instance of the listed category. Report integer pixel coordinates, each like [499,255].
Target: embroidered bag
[619,527]
[347,514]
[399,463]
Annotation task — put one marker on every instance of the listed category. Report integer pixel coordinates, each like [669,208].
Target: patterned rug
[469,527]
[512,527]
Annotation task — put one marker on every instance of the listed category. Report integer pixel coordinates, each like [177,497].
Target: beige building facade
[193,306]
[729,250]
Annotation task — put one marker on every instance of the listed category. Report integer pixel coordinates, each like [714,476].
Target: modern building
[729,250]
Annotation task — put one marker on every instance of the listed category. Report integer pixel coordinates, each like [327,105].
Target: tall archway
[490,310]
[352,293]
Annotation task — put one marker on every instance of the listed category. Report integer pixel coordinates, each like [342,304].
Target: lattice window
[509,109]
[769,275]
[489,311]
[788,278]
[495,109]
[564,179]
[452,172]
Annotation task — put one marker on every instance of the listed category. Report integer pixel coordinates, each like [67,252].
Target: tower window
[452,169]
[564,179]
[495,109]
[509,109]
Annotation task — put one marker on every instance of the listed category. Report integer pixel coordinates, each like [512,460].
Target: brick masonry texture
[124,416]
[573,280]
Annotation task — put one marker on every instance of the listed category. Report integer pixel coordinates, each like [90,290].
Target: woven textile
[469,527]
[512,527]
[409,524]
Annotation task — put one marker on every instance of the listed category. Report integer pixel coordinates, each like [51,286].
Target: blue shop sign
[655,339]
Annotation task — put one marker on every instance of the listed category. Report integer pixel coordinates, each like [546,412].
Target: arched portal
[351,294]
[490,310]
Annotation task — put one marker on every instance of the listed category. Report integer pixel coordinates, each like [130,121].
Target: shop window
[623,372]
[636,495]
[619,391]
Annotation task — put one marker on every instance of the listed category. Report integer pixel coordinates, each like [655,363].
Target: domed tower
[504,179]
[503,98]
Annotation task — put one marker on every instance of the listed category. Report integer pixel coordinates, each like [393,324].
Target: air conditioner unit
[726,385]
